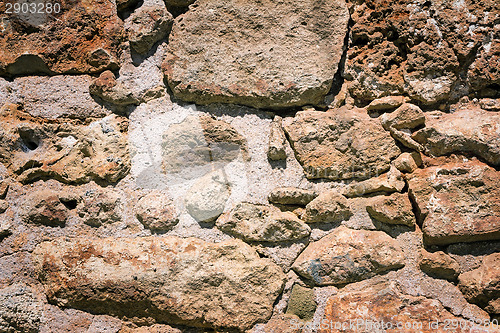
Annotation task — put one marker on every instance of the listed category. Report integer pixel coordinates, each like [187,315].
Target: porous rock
[329,206]
[439,264]
[157,212]
[292,196]
[393,209]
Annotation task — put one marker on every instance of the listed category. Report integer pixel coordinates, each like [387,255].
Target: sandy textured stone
[386,103]
[44,207]
[457,202]
[340,144]
[206,199]
[388,182]
[277,140]
[148,25]
[393,209]
[282,323]
[157,212]
[292,196]
[261,223]
[469,130]
[84,37]
[329,206]
[482,285]
[347,255]
[107,88]
[237,52]
[99,207]
[375,301]
[33,149]
[158,328]
[169,279]
[490,104]
[439,264]
[301,303]
[408,162]
[21,309]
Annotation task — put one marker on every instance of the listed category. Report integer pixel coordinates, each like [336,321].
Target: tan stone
[340,144]
[386,103]
[408,162]
[439,264]
[277,141]
[44,207]
[329,206]
[346,256]
[157,212]
[107,88]
[393,209]
[167,279]
[237,52]
[388,182]
[260,223]
[292,196]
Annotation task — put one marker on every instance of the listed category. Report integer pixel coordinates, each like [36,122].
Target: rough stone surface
[156,212]
[329,206]
[215,47]
[408,162]
[490,104]
[107,88]
[21,309]
[44,207]
[469,130]
[402,121]
[346,256]
[389,182]
[439,264]
[301,303]
[340,144]
[36,149]
[99,207]
[457,202]
[83,38]
[167,279]
[292,196]
[386,103]
[260,223]
[393,209]
[277,140]
[380,300]
[148,25]
[482,285]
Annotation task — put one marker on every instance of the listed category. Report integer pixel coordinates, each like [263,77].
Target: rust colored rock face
[274,54]
[457,202]
[168,279]
[340,144]
[84,37]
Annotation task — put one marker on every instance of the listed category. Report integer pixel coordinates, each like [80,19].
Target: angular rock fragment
[439,264]
[401,121]
[468,130]
[260,223]
[4,205]
[167,279]
[346,256]
[386,103]
[235,52]
[393,209]
[70,152]
[107,88]
[490,104]
[157,212]
[80,38]
[482,285]
[329,206]
[292,196]
[389,182]
[206,199]
[99,207]
[457,202]
[301,303]
[277,141]
[44,207]
[340,144]
[148,25]
[408,162]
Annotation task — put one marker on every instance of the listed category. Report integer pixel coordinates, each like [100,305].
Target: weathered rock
[329,206]
[44,207]
[206,199]
[71,320]
[81,38]
[5,229]
[393,209]
[33,149]
[457,202]
[156,211]
[482,285]
[301,303]
[490,104]
[21,309]
[107,88]
[292,196]
[60,96]
[99,207]
[468,130]
[277,140]
[201,141]
[340,144]
[347,255]
[408,162]
[439,264]
[420,49]
[483,72]
[282,323]
[260,223]
[158,328]
[169,279]
[386,103]
[148,25]
[235,52]
[370,304]
[4,205]
[388,182]
[401,121]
